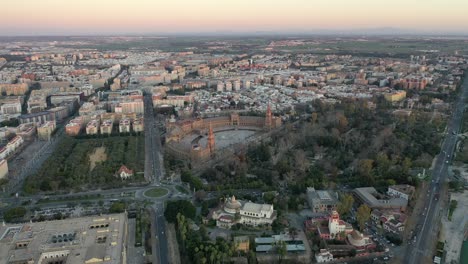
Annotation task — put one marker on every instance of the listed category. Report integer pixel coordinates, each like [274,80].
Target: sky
[91,17]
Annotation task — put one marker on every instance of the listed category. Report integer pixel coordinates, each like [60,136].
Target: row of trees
[69,167]
[195,246]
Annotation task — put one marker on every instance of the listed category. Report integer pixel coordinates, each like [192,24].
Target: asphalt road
[158,233]
[425,233]
[154,166]
[154,172]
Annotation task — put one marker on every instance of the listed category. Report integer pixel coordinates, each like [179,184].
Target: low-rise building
[96,239]
[391,221]
[323,256]
[297,248]
[404,191]
[376,200]
[336,228]
[360,241]
[322,201]
[234,211]
[257,214]
[124,173]
[395,96]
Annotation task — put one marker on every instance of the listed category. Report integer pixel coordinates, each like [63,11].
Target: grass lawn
[156,192]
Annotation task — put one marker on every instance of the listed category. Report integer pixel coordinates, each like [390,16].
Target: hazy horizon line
[381,31]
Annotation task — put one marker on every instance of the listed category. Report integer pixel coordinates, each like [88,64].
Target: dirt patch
[173,247]
[99,155]
[453,231]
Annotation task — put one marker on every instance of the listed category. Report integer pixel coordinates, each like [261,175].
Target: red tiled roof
[123,168]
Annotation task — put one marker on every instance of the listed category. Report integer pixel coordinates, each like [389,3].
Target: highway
[154,173]
[425,234]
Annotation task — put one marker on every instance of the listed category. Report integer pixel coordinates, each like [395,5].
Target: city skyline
[52,17]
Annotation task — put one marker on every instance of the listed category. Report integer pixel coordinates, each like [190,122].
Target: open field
[391,46]
[69,167]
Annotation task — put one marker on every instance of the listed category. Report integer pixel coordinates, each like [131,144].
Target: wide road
[154,166]
[154,173]
[158,234]
[427,226]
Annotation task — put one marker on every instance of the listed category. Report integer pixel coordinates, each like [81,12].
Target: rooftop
[78,240]
[369,195]
[322,196]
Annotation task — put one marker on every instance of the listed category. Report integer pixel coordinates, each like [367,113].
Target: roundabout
[156,192]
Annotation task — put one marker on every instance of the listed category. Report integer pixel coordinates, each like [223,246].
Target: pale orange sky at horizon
[32,17]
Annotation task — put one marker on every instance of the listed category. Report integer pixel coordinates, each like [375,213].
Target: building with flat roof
[395,96]
[376,200]
[257,214]
[404,191]
[106,127]
[322,201]
[92,128]
[37,118]
[74,127]
[44,132]
[124,126]
[97,239]
[297,248]
[138,124]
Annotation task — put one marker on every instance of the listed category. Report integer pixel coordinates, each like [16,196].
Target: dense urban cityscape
[233,148]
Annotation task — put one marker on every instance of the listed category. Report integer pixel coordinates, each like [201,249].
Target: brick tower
[211,140]
[268,118]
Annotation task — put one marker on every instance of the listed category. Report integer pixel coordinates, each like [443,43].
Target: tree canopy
[182,207]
